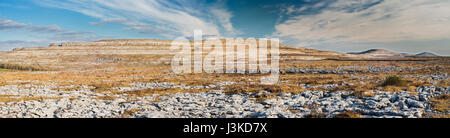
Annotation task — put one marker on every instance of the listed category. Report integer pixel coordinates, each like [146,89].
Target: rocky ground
[133,78]
[85,103]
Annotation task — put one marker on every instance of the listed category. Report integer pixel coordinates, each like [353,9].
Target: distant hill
[377,53]
[427,54]
[407,54]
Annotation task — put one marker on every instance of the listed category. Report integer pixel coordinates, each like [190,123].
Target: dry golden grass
[12,98]
[130,112]
[121,76]
[348,114]
[360,94]
[150,92]
[11,66]
[439,116]
[108,87]
[107,98]
[441,103]
[315,114]
[251,88]
[73,98]
[444,83]
[105,73]
[74,88]
[237,89]
[360,90]
[293,111]
[105,80]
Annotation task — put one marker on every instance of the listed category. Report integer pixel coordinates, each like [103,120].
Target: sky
[409,26]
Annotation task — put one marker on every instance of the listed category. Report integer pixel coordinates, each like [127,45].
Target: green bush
[394,81]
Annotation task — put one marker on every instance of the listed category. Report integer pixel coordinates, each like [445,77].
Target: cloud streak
[48,34]
[9,25]
[174,18]
[366,21]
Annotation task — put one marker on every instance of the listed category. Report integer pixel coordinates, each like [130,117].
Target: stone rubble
[82,103]
[360,69]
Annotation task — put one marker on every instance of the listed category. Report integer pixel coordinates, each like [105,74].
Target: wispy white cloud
[224,18]
[47,33]
[7,25]
[109,21]
[365,21]
[46,29]
[173,18]
[11,25]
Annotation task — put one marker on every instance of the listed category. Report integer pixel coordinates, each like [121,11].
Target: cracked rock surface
[214,104]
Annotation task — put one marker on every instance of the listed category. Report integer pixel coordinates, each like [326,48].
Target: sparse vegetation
[236,89]
[394,81]
[293,110]
[441,103]
[67,88]
[348,114]
[9,66]
[362,94]
[1,69]
[149,92]
[12,98]
[104,68]
[130,112]
[106,98]
[104,86]
[315,114]
[252,88]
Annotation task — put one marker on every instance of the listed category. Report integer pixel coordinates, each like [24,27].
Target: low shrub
[394,81]
[236,89]
[348,114]
[441,103]
[21,67]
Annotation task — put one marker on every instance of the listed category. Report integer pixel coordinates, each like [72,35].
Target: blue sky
[410,26]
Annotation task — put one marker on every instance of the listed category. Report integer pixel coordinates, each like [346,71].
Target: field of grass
[106,80]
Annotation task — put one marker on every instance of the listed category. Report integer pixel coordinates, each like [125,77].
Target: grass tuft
[152,91]
[394,81]
[348,114]
[441,103]
[9,66]
[12,98]
[252,88]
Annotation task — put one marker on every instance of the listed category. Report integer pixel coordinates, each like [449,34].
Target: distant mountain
[427,54]
[407,54]
[377,53]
